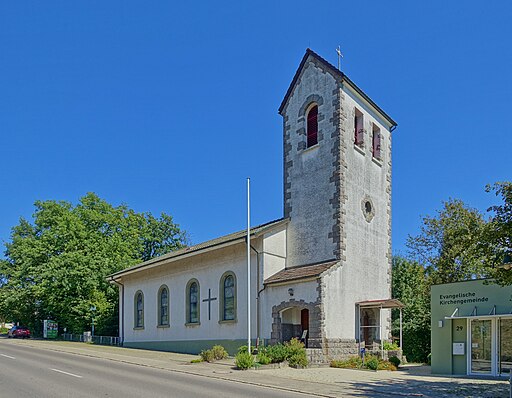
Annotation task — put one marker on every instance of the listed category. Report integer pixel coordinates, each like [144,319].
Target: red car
[19,331]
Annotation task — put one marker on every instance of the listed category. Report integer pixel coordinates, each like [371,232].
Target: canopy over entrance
[384,303]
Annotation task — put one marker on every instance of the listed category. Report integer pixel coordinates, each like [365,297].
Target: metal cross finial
[340,56]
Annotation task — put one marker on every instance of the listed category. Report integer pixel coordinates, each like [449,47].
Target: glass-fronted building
[471,328]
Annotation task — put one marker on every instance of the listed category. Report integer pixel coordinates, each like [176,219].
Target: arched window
[163,306]
[312,132]
[193,301]
[358,128]
[139,309]
[228,297]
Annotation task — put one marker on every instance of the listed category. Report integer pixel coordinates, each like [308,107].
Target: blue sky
[169,106]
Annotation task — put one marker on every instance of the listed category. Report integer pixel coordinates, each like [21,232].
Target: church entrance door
[304,323]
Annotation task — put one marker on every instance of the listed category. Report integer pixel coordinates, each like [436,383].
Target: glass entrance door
[505,346]
[481,346]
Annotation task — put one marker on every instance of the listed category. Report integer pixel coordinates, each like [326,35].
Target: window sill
[138,328]
[359,149]
[228,321]
[192,325]
[163,326]
[311,148]
[377,161]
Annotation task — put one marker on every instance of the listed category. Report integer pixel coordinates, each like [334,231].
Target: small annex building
[321,273]
[471,328]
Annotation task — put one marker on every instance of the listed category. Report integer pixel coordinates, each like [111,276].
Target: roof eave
[157,261]
[294,280]
[150,265]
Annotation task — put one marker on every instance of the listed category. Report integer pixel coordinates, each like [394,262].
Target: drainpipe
[258,314]
[121,328]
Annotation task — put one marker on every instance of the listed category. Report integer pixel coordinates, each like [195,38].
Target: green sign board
[50,329]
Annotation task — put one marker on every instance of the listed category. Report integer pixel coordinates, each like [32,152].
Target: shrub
[390,346]
[207,355]
[3,330]
[197,360]
[386,365]
[263,358]
[395,361]
[219,352]
[277,353]
[244,360]
[298,360]
[429,359]
[244,349]
[353,362]
[294,346]
[372,362]
[295,353]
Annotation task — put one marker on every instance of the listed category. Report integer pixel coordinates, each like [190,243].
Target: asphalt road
[30,372]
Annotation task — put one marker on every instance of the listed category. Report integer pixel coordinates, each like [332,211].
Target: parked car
[19,331]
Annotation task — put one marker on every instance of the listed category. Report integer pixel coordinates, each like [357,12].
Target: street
[32,372]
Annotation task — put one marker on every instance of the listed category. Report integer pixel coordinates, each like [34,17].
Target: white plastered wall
[364,273]
[207,268]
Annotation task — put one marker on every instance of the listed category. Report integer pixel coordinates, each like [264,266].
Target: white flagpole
[249,265]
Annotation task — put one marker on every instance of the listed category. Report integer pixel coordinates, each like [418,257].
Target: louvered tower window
[312,132]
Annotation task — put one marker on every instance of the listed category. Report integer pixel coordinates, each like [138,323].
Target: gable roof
[338,75]
[300,272]
[225,240]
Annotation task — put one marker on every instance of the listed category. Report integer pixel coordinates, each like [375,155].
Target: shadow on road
[444,387]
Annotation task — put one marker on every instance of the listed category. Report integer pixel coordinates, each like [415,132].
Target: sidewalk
[411,381]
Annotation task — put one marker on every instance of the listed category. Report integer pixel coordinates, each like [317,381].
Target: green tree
[56,267]
[410,285]
[497,236]
[449,244]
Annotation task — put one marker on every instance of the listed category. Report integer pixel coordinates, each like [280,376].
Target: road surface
[31,372]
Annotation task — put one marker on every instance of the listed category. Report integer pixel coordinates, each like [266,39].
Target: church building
[321,273]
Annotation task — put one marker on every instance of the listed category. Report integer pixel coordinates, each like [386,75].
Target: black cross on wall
[209,300]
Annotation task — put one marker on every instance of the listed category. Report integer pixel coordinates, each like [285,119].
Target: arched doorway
[297,317]
[295,324]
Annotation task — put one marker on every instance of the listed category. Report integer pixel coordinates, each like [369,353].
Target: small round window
[367,208]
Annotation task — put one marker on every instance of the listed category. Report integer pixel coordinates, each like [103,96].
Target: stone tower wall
[326,191]
[310,174]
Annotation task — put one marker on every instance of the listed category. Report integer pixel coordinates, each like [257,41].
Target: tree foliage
[497,236]
[449,244]
[411,286]
[56,266]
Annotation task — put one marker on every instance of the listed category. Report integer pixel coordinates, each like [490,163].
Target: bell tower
[337,172]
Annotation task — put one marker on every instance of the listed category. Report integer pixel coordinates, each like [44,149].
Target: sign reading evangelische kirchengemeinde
[461,298]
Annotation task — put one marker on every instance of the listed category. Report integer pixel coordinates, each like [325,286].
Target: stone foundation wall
[315,357]
[340,348]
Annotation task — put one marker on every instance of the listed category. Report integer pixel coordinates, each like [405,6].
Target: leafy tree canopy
[56,265]
[410,285]
[449,244]
[497,236]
